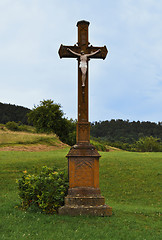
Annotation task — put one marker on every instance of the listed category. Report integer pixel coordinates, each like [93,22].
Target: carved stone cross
[83,51]
[84,196]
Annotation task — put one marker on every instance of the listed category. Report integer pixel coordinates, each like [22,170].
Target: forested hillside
[125,131]
[113,131]
[9,112]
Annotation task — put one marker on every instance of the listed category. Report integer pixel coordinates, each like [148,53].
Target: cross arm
[101,54]
[65,53]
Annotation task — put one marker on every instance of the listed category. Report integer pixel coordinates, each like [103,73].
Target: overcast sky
[126,85]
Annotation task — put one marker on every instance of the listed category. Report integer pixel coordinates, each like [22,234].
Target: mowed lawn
[130,183]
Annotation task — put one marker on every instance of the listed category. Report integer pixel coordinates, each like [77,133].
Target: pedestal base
[84,196]
[101,211]
[85,201]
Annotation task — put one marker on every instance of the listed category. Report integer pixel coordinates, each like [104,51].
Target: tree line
[124,131]
[48,117]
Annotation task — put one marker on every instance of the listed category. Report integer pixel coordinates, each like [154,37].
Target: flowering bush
[45,190]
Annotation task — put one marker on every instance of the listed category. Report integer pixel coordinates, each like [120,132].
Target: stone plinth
[85,201]
[84,197]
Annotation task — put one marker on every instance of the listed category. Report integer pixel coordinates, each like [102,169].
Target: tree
[148,144]
[48,117]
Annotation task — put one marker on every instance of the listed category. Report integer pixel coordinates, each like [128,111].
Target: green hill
[28,141]
[125,131]
[10,112]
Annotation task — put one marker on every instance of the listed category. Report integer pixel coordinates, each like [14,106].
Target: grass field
[130,183]
[8,138]
[28,141]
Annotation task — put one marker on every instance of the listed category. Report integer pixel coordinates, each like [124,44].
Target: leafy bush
[26,128]
[99,145]
[45,190]
[13,126]
[144,144]
[148,144]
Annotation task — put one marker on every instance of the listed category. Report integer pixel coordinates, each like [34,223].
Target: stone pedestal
[84,197]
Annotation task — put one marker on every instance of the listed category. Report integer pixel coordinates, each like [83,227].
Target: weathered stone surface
[84,192]
[82,149]
[86,201]
[101,211]
[83,172]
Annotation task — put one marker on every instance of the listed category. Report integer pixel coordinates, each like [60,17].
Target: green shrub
[13,126]
[99,146]
[25,128]
[148,144]
[45,190]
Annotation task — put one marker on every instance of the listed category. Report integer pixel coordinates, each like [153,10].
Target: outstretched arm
[77,54]
[91,54]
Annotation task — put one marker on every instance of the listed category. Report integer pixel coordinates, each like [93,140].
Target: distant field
[130,183]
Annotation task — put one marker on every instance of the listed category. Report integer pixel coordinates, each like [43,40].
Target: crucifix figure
[84,196]
[83,62]
[83,51]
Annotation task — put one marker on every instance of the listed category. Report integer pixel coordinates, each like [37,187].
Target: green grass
[10,138]
[130,183]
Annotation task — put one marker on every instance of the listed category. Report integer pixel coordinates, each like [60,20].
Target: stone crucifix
[84,195]
[83,51]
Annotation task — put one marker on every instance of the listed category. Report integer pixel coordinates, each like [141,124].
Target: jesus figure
[83,62]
